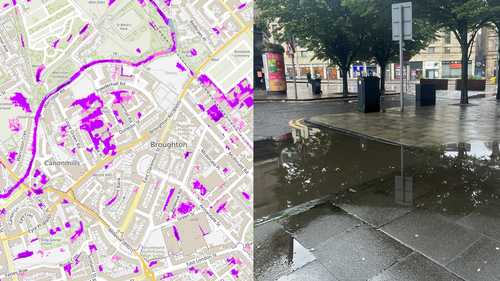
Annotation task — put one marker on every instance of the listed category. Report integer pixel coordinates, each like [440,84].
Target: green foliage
[473,77]
[268,45]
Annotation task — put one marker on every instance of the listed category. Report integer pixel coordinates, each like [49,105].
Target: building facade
[440,60]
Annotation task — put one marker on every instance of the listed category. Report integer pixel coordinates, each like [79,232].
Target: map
[126,140]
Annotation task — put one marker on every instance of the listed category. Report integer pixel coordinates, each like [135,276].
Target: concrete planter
[472,85]
[441,84]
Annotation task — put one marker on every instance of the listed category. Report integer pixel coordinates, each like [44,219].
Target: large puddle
[323,184]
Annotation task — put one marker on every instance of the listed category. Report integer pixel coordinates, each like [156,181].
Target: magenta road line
[150,23]
[241,7]
[168,198]
[202,231]
[22,41]
[165,19]
[71,35]
[222,207]
[73,78]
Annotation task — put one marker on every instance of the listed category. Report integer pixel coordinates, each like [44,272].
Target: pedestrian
[308,79]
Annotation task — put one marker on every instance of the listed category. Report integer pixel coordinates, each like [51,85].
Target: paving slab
[274,251]
[415,267]
[360,253]
[484,219]
[312,271]
[480,262]
[319,224]
[433,235]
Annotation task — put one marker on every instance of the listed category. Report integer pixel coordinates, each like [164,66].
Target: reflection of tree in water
[332,163]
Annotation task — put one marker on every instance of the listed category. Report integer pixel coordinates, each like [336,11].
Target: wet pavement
[333,90]
[331,206]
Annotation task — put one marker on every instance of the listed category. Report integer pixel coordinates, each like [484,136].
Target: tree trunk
[464,99]
[382,76]
[345,72]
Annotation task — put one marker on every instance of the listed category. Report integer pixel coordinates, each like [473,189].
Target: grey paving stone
[480,262]
[274,251]
[319,224]
[360,253]
[432,235]
[484,219]
[312,271]
[415,267]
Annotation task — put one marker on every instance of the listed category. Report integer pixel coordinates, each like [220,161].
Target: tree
[464,19]
[326,27]
[379,44]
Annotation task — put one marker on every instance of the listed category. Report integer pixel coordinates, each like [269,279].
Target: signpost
[291,51]
[401,30]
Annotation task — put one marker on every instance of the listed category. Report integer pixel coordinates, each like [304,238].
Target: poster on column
[397,71]
[275,72]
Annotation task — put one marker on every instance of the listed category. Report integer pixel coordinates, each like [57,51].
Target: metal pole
[293,70]
[401,57]
[403,174]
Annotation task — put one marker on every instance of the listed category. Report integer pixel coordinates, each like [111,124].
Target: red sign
[455,65]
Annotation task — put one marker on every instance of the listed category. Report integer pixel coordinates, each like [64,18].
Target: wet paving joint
[441,224]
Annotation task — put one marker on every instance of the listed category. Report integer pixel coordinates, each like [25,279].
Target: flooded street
[330,206]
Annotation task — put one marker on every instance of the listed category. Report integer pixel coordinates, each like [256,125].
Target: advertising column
[274,66]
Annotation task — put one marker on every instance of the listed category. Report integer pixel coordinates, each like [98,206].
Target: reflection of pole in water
[403,186]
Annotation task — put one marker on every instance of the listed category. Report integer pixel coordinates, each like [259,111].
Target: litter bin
[316,86]
[368,94]
[425,94]
[492,80]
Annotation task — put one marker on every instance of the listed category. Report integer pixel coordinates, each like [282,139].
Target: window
[447,38]
[303,54]
[431,50]
[447,50]
[453,69]
[433,41]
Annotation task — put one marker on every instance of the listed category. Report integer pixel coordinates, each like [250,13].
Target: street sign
[396,21]
[289,49]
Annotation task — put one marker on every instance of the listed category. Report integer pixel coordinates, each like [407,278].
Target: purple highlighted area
[168,198]
[168,274]
[246,195]
[71,35]
[84,29]
[39,72]
[64,201]
[112,200]
[150,23]
[92,248]
[67,268]
[6,5]
[55,43]
[186,155]
[100,268]
[78,233]
[198,185]
[222,207]
[176,234]
[152,263]
[33,240]
[241,7]
[24,255]
[138,50]
[12,157]
[185,208]
[18,100]
[67,224]
[216,30]
[136,270]
[225,170]
[193,52]
[180,67]
[22,40]
[201,107]
[15,125]
[234,272]
[215,113]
